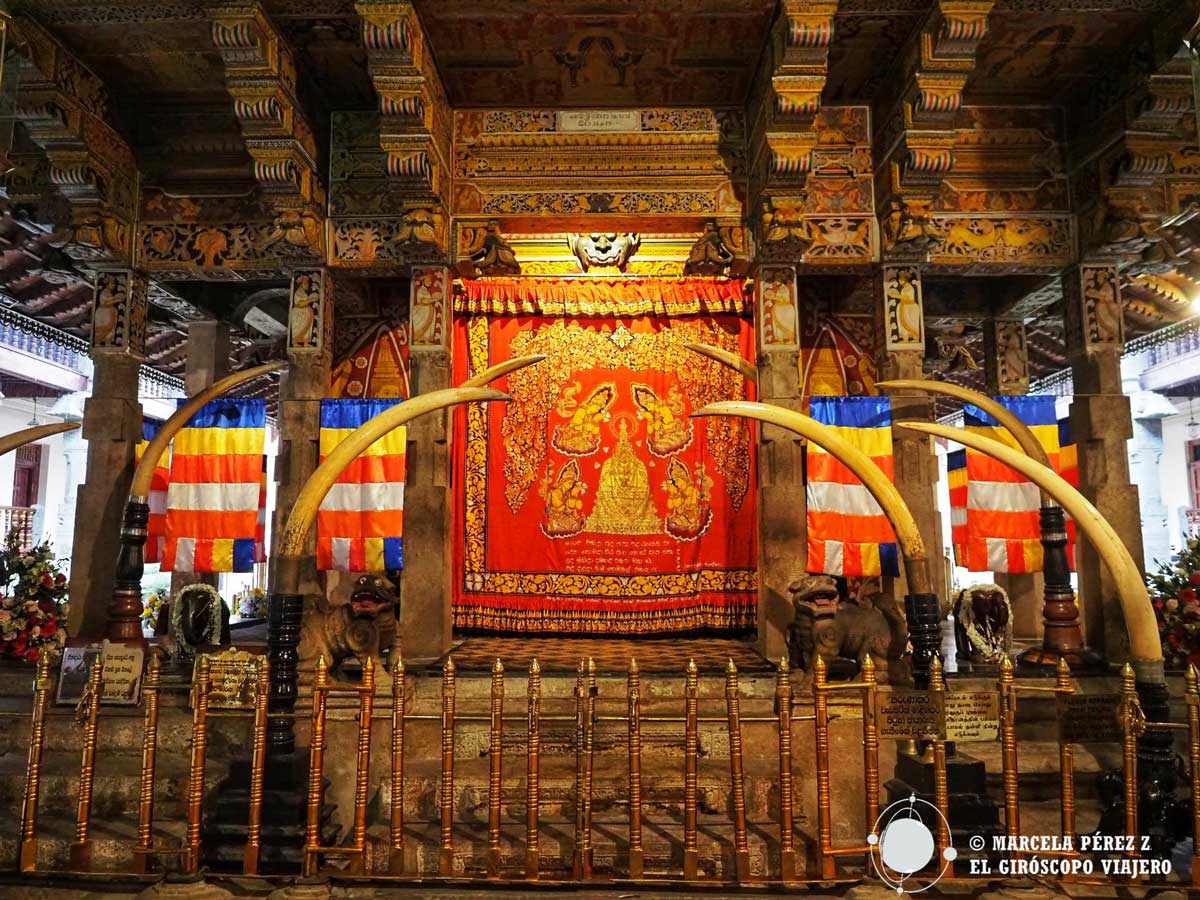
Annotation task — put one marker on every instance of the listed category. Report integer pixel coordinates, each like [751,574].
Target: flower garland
[33,601]
[213,635]
[1176,599]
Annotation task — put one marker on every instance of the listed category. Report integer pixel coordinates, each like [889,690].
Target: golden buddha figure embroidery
[564,500]
[581,435]
[688,495]
[624,504]
[667,429]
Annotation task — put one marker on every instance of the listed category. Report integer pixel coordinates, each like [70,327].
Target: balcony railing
[20,520]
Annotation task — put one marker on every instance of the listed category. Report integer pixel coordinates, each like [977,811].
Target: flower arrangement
[1175,594]
[251,604]
[33,601]
[151,608]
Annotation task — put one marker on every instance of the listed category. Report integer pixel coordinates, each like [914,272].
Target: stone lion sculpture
[982,624]
[828,624]
[361,628]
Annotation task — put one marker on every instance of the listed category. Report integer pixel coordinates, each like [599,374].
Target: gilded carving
[709,255]
[252,245]
[1007,356]
[903,308]
[1101,320]
[119,313]
[778,309]
[596,250]
[418,235]
[485,250]
[906,228]
[1034,239]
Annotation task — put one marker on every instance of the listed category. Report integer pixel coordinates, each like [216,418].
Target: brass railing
[585,719]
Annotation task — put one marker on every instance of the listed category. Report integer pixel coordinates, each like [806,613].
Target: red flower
[1188,595]
[1158,603]
[46,606]
[49,627]
[32,654]
[61,579]
[1173,640]
[47,581]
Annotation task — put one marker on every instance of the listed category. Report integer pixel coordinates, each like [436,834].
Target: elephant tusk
[727,358]
[144,473]
[1144,644]
[304,512]
[487,376]
[17,439]
[912,546]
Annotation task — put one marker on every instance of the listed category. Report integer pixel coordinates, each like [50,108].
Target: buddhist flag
[360,523]
[997,526]
[156,528]
[1068,468]
[216,489]
[848,533]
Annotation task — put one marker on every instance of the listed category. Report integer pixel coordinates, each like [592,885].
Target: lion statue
[982,624]
[364,627]
[830,625]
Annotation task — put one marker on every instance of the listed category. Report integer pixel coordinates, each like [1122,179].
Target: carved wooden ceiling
[1042,80]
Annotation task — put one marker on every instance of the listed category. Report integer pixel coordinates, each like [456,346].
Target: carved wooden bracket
[64,109]
[261,78]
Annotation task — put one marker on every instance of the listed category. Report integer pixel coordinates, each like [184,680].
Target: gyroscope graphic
[901,844]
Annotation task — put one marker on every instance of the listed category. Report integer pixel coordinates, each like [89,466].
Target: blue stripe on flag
[956,459]
[852,412]
[1064,432]
[243,554]
[889,560]
[149,429]
[1032,409]
[226,413]
[393,555]
[353,413]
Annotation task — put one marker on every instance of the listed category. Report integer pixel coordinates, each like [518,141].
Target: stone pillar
[1145,458]
[1101,425]
[1006,371]
[303,385]
[112,426]
[782,502]
[207,361]
[426,619]
[901,320]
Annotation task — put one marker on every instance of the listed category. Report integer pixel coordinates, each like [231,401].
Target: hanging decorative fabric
[156,528]
[360,522]
[994,516]
[216,489]
[848,533]
[1068,468]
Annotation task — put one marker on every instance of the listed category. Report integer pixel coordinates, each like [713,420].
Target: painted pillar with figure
[426,619]
[112,427]
[781,498]
[1006,373]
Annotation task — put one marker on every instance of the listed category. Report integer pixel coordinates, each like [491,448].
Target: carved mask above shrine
[603,250]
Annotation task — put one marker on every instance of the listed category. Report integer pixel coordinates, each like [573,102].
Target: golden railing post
[1193,704]
[316,767]
[870,745]
[1008,748]
[258,764]
[1066,753]
[396,830]
[446,853]
[366,704]
[81,850]
[496,769]
[27,853]
[783,708]
[1131,715]
[824,816]
[196,771]
[580,731]
[941,789]
[691,744]
[145,830]
[533,752]
[637,855]
[741,849]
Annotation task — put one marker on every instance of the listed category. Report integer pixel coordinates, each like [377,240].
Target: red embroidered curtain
[591,503]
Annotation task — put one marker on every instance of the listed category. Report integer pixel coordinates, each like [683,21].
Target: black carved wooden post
[924,614]
[125,609]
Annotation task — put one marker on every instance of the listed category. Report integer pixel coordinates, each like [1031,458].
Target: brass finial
[868,669]
[633,666]
[1191,679]
[691,667]
[730,668]
[449,667]
[783,664]
[1006,664]
[534,668]
[497,667]
[591,666]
